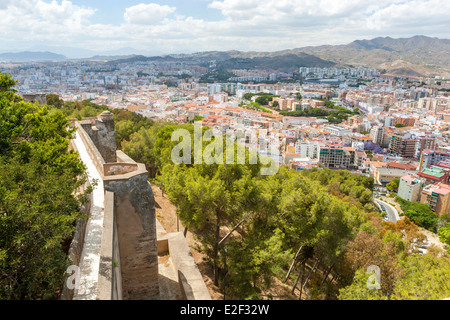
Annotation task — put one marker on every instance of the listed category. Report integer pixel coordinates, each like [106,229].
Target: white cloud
[412,14]
[274,9]
[64,12]
[246,24]
[331,21]
[37,15]
[147,14]
[23,22]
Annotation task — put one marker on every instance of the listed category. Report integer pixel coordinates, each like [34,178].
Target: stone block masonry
[101,131]
[119,255]
[120,259]
[136,232]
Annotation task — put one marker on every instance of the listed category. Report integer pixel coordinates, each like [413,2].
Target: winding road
[391,212]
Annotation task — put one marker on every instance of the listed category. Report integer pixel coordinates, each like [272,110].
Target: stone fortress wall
[118,247]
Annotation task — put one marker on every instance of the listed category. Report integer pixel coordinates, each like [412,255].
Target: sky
[80,27]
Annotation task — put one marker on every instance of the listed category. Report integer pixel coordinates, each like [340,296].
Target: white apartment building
[389,121]
[435,104]
[377,135]
[374,109]
[337,130]
[213,88]
[410,188]
[300,120]
[308,149]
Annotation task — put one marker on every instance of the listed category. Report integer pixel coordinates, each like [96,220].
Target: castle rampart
[116,249]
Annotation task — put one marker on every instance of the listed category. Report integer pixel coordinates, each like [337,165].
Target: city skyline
[78,28]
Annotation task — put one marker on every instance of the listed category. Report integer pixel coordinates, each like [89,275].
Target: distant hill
[285,62]
[418,55]
[31,56]
[415,56]
[137,58]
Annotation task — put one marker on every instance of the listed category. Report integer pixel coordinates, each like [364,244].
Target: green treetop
[39,202]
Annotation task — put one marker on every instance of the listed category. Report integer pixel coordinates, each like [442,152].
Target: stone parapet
[92,150]
[190,279]
[109,280]
[122,168]
[136,231]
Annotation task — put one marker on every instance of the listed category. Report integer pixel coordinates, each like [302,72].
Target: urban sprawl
[396,127]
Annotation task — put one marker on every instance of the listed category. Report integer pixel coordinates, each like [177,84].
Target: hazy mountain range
[415,56]
[31,56]
[418,55]
[70,53]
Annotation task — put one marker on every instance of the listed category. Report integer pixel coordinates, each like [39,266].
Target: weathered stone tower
[101,132]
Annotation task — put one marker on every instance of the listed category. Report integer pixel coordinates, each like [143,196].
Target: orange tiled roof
[403,166]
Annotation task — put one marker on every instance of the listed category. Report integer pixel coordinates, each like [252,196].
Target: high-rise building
[308,149]
[416,94]
[213,88]
[377,135]
[282,103]
[337,157]
[435,104]
[403,145]
[423,143]
[437,196]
